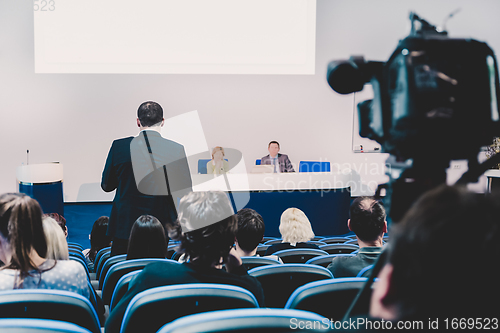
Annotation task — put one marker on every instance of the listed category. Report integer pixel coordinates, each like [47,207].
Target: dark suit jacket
[130,203]
[283,160]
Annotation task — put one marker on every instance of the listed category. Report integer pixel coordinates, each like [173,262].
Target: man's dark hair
[276,142]
[206,245]
[250,229]
[444,254]
[367,218]
[150,113]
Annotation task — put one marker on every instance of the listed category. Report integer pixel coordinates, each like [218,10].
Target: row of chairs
[149,310]
[232,320]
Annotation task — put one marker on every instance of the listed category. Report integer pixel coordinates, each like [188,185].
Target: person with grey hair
[368,223]
[206,228]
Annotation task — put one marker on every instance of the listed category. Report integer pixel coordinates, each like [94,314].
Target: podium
[43,182]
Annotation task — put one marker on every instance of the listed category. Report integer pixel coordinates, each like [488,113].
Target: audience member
[23,248]
[368,223]
[217,165]
[250,232]
[442,261]
[281,162]
[57,247]
[295,230]
[147,239]
[207,245]
[61,221]
[98,240]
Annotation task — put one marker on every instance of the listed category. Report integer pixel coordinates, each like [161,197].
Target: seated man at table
[368,223]
[281,162]
[206,227]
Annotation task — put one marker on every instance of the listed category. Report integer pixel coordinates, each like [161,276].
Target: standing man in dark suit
[150,174]
[281,162]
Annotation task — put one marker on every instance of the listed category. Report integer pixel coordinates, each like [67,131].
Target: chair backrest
[29,325]
[252,262]
[76,253]
[119,269]
[339,248]
[273,241]
[257,162]
[318,238]
[352,241]
[121,288]
[329,298]
[49,304]
[202,165]
[171,250]
[100,253]
[98,267]
[325,260]
[318,243]
[267,238]
[365,272]
[248,320]
[107,265]
[335,240]
[279,281]
[314,166]
[175,301]
[298,256]
[75,246]
[261,249]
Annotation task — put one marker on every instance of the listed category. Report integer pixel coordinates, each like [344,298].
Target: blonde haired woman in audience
[23,248]
[295,230]
[57,246]
[217,165]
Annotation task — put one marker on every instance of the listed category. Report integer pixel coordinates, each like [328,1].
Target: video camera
[435,100]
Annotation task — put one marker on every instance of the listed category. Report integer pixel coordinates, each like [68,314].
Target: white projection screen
[175,37]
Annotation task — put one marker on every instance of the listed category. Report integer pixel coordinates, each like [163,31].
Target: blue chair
[339,248]
[314,166]
[365,272]
[248,320]
[202,166]
[325,260]
[298,256]
[100,253]
[98,264]
[49,304]
[273,241]
[107,265]
[279,281]
[252,262]
[75,245]
[329,298]
[257,162]
[29,325]
[335,240]
[121,268]
[121,288]
[181,300]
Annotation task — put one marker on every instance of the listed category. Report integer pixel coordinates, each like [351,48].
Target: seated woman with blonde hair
[57,246]
[23,249]
[217,165]
[295,230]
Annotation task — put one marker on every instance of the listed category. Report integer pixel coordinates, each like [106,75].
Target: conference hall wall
[72,118]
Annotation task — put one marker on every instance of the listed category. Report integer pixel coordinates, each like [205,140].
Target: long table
[323,197]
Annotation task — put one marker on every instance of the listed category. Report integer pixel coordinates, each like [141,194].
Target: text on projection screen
[177,37]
